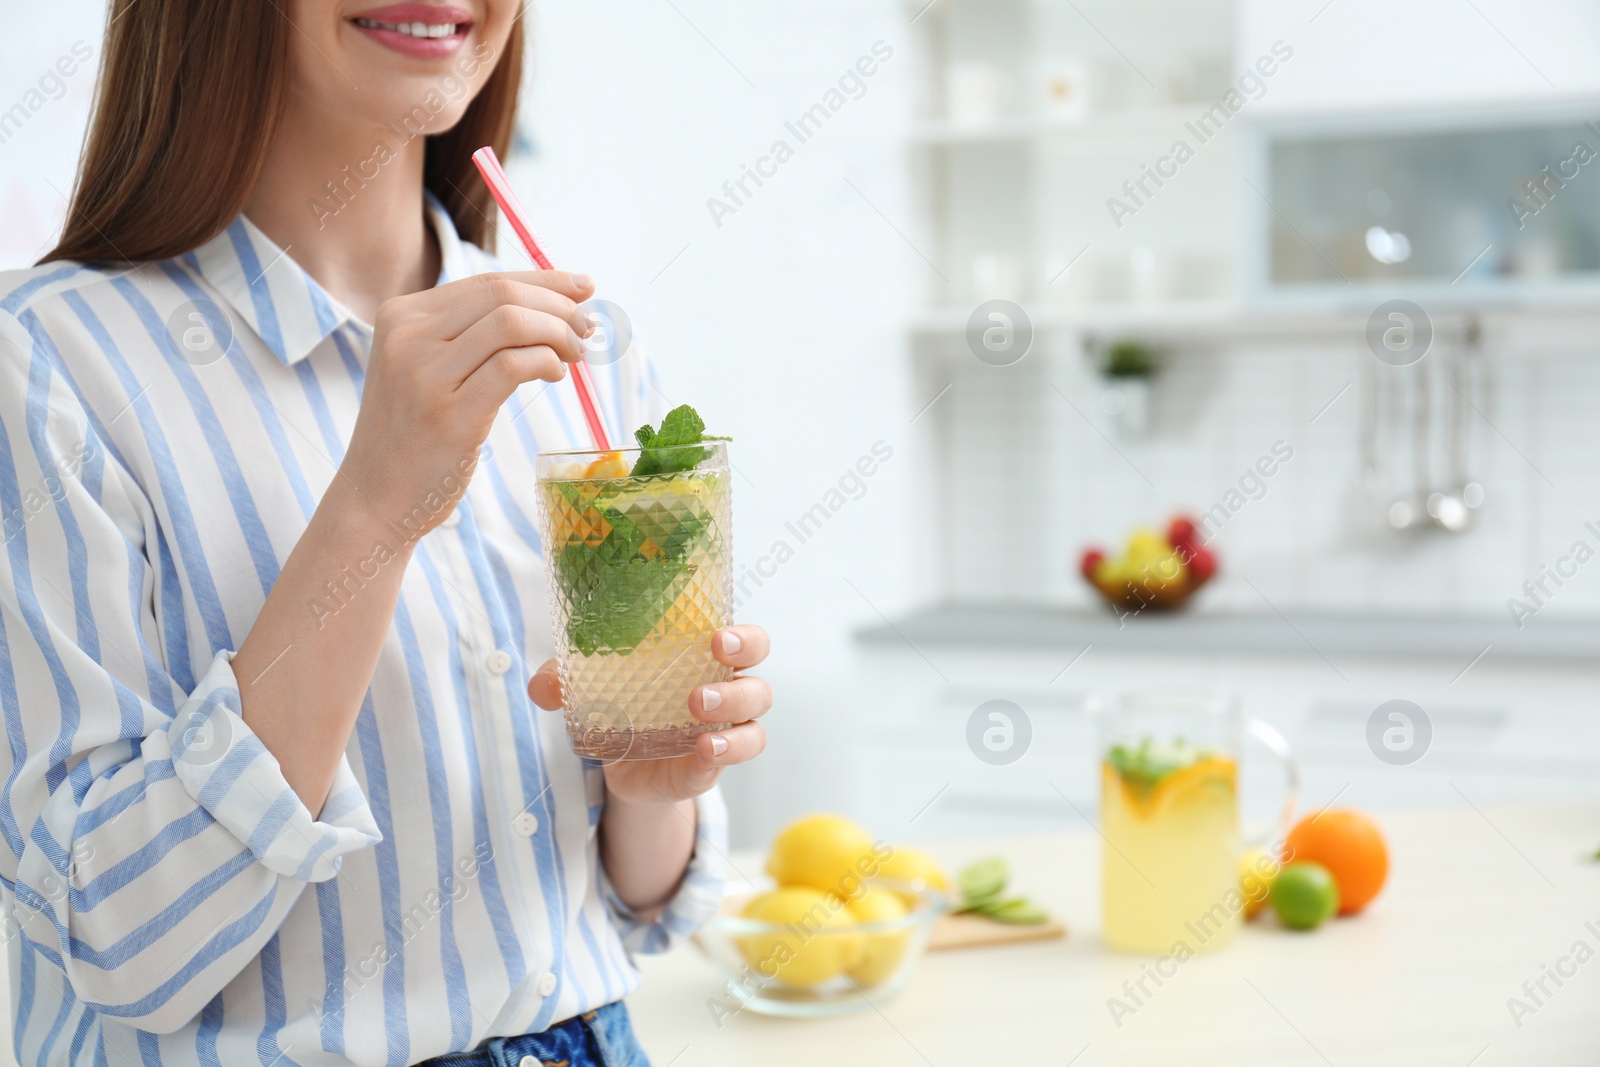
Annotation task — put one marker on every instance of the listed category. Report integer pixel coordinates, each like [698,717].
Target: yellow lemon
[909,865]
[880,953]
[826,852]
[1257,871]
[1146,544]
[814,944]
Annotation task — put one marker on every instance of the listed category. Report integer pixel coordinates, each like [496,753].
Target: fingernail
[719,745]
[730,643]
[580,281]
[710,699]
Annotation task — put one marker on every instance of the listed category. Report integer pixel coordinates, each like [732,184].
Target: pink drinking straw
[494,175]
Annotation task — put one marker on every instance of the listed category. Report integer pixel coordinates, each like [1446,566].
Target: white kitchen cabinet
[1502,731]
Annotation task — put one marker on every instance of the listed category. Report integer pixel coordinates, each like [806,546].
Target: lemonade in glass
[638,553]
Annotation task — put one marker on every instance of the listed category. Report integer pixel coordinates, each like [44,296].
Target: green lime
[985,878]
[1019,912]
[1304,895]
[980,904]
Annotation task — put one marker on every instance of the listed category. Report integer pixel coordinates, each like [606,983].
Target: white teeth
[412,29]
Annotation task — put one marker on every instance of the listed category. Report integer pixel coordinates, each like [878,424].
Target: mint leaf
[618,586]
[1144,766]
[675,447]
[682,426]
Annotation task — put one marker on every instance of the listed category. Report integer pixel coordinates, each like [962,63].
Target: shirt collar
[285,306]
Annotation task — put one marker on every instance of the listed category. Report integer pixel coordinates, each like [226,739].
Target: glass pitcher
[1169,816]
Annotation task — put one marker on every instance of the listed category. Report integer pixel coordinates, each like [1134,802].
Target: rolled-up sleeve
[154,845]
[230,773]
[698,895]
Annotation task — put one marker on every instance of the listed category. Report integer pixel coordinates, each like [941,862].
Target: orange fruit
[1350,845]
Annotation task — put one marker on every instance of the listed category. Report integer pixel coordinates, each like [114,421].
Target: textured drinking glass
[641,576]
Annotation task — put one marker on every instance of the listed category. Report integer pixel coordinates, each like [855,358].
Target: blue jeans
[600,1038]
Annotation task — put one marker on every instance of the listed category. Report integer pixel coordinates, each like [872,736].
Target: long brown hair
[189,96]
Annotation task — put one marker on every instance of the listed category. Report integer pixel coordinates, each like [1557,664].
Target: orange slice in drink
[1202,780]
[610,465]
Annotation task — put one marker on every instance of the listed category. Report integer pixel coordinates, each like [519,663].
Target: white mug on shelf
[975,92]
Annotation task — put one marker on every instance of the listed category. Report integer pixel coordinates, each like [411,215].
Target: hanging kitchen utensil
[1410,510]
[1370,491]
[1453,507]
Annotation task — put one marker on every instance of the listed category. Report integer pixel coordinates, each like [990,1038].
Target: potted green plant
[1126,367]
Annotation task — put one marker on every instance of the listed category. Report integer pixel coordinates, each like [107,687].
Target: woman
[273,791]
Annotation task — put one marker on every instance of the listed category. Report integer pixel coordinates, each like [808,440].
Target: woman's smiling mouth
[422,31]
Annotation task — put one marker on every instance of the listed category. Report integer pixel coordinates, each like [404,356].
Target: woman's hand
[443,362]
[648,830]
[741,701]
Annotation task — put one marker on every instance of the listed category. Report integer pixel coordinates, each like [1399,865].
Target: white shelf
[1129,123]
[1188,317]
[1533,331]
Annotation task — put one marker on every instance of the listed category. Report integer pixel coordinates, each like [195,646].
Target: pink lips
[408,15]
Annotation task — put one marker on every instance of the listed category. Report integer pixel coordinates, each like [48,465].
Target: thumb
[544,688]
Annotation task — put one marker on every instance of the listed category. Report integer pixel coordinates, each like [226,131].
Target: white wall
[1215,414]
[39,143]
[1379,53]
[783,326]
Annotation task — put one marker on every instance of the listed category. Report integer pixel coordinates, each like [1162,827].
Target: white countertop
[1478,901]
[1297,632]
[1421,978]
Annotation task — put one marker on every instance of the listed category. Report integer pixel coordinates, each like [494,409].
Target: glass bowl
[820,960]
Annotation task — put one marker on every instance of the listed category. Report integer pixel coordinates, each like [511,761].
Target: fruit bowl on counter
[1158,572]
[796,951]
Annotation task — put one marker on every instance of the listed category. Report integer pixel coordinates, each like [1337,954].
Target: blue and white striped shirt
[166,431]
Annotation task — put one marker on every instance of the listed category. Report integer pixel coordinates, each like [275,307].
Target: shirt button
[526,824]
[452,520]
[498,661]
[547,984]
[527,1061]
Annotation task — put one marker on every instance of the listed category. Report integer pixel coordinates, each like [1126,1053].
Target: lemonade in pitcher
[1169,814]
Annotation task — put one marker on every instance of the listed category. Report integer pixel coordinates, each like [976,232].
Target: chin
[430,97]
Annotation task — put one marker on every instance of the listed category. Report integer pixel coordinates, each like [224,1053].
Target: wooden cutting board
[974,931]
